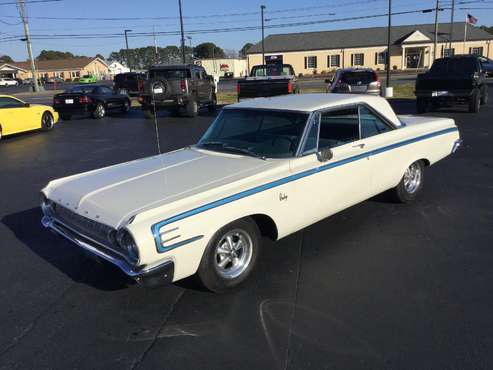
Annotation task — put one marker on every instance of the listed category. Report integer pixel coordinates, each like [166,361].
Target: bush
[394,68]
[315,72]
[300,74]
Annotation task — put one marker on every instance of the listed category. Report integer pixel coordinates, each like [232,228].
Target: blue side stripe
[156,227]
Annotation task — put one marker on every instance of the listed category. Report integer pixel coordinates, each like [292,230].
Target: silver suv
[354,81]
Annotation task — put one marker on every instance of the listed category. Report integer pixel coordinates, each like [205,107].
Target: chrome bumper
[156,275]
[457,145]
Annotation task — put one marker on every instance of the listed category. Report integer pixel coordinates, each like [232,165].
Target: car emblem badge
[282,197]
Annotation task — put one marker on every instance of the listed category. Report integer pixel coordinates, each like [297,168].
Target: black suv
[457,79]
[130,83]
[178,88]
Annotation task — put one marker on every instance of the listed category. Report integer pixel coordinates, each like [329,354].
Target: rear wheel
[65,117]
[99,111]
[126,106]
[475,101]
[47,121]
[484,95]
[192,108]
[411,183]
[213,103]
[230,255]
[148,112]
[422,105]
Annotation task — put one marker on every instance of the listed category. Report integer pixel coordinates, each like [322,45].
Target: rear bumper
[160,274]
[443,94]
[80,109]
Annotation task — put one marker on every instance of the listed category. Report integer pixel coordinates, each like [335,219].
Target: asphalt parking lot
[377,286]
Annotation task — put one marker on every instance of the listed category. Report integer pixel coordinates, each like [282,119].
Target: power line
[31,2]
[215,30]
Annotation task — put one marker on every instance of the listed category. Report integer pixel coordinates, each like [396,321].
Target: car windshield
[81,90]
[363,77]
[454,65]
[169,73]
[86,76]
[271,70]
[258,133]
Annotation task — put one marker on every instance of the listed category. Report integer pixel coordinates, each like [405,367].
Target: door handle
[361,146]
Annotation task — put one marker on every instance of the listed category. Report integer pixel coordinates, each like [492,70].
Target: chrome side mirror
[325,154]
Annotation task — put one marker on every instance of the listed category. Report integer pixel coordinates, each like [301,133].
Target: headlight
[47,205]
[127,244]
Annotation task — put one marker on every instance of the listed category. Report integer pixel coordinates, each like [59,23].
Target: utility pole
[262,7]
[155,42]
[387,59]
[126,50]
[182,35]
[435,39]
[191,49]
[452,10]
[22,13]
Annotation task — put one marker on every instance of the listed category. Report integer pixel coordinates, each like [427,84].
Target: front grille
[95,230]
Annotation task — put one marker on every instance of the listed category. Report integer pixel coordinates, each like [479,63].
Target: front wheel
[99,111]
[411,183]
[475,101]
[126,106]
[213,103]
[484,96]
[47,121]
[230,255]
[192,108]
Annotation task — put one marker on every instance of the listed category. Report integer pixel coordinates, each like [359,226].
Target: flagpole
[465,36]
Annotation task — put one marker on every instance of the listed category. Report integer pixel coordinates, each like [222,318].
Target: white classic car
[265,168]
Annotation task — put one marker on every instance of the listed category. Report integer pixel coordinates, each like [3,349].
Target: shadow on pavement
[60,253]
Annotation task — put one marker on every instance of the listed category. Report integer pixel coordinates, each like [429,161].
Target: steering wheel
[290,140]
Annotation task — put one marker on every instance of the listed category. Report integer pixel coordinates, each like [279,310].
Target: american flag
[471,19]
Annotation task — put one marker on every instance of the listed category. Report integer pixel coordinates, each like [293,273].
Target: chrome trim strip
[246,193]
[457,145]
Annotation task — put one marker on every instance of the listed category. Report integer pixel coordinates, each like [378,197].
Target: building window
[358,59]
[333,60]
[476,51]
[381,58]
[310,62]
[448,52]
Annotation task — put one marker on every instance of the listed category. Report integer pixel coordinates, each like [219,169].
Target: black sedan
[95,100]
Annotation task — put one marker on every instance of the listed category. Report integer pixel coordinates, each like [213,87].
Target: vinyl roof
[363,37]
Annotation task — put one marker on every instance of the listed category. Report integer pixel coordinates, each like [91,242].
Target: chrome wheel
[412,178]
[47,121]
[100,111]
[233,253]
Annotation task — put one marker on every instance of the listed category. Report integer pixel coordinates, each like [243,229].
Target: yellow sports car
[18,116]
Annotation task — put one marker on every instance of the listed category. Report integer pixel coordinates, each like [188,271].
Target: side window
[338,127]
[10,103]
[371,124]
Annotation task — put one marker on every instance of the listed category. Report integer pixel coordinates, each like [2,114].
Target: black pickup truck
[458,79]
[268,80]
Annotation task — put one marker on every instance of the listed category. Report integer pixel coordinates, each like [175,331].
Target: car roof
[174,66]
[313,102]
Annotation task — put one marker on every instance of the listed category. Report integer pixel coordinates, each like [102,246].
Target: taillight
[57,101]
[183,85]
[238,88]
[84,99]
[140,85]
[290,87]
[377,80]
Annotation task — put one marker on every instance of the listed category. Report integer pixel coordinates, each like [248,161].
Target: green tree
[487,29]
[99,56]
[55,54]
[142,58]
[245,48]
[208,50]
[6,59]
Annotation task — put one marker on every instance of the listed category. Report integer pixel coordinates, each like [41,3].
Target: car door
[380,136]
[108,95]
[16,116]
[327,186]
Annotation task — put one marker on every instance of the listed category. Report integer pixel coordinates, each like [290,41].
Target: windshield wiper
[244,151]
[225,147]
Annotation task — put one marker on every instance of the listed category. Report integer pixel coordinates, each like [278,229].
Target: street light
[126,50]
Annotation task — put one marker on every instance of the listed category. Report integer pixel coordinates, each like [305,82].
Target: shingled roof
[56,65]
[363,37]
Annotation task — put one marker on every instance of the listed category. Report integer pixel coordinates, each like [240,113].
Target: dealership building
[411,48]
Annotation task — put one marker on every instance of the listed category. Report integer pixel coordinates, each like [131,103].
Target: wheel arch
[266,225]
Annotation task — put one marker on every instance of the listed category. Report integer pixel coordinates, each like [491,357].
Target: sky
[200,15]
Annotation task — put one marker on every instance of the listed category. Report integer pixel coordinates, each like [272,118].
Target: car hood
[113,194]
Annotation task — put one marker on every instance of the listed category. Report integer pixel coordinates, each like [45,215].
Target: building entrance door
[415,57]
